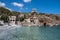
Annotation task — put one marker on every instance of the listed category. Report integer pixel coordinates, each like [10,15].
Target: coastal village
[30,19]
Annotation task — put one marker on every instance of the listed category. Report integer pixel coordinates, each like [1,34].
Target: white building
[33,10]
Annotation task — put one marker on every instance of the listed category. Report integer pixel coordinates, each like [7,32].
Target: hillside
[4,11]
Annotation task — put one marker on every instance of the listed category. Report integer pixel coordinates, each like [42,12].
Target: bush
[5,18]
[41,21]
[57,17]
[21,19]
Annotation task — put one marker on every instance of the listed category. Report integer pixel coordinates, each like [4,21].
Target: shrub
[21,19]
[5,18]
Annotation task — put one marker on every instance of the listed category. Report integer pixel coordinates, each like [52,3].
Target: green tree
[5,18]
[57,17]
[4,11]
[21,19]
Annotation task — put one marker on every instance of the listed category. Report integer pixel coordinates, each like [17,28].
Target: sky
[44,6]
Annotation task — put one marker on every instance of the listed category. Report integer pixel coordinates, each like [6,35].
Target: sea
[29,33]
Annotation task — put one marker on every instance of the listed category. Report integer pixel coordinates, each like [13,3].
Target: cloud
[27,1]
[9,9]
[2,4]
[18,4]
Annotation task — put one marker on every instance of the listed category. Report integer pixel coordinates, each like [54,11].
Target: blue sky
[45,6]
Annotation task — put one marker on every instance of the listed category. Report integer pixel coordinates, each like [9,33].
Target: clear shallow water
[31,33]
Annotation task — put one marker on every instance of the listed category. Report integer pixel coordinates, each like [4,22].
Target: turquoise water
[32,33]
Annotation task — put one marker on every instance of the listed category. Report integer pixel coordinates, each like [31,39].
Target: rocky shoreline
[28,19]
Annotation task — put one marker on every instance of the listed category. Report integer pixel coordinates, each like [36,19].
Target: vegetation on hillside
[4,13]
[21,19]
[5,18]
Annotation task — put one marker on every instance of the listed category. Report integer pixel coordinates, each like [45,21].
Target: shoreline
[29,25]
[9,27]
[25,23]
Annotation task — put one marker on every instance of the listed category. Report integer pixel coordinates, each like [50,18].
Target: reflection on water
[31,33]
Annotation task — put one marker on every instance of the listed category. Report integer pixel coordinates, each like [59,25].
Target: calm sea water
[31,33]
